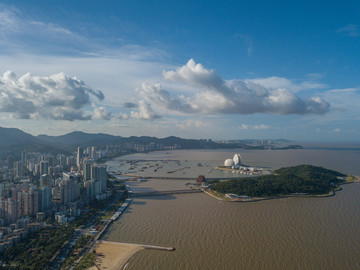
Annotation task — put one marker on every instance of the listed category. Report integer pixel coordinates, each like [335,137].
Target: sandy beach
[113,255]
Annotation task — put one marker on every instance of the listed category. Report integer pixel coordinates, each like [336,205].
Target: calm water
[293,233]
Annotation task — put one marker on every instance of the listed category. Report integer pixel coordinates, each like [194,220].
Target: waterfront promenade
[115,255]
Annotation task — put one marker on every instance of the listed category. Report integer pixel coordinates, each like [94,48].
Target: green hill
[285,181]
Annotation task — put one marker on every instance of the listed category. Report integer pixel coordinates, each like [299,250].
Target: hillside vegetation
[285,181]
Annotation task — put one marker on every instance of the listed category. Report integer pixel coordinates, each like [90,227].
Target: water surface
[292,233]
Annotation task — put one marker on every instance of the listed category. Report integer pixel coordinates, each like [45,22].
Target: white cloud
[351,30]
[102,113]
[191,123]
[58,97]
[255,127]
[195,74]
[344,90]
[8,19]
[275,82]
[19,34]
[122,116]
[145,112]
[23,33]
[344,100]
[213,95]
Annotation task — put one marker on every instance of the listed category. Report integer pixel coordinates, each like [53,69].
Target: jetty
[165,192]
[138,245]
[157,247]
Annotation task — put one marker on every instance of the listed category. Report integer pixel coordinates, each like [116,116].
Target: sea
[286,233]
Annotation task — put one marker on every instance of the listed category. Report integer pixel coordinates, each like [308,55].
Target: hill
[305,179]
[12,139]
[80,138]
[13,136]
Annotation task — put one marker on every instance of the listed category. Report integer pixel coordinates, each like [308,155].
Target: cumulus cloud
[213,95]
[144,112]
[122,116]
[58,97]
[102,113]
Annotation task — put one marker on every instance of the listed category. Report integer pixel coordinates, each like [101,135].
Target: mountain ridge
[14,138]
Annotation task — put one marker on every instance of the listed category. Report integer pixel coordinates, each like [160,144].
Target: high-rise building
[92,188]
[50,160]
[13,212]
[2,209]
[31,202]
[44,167]
[79,156]
[86,168]
[98,173]
[31,166]
[9,210]
[10,162]
[45,198]
[70,161]
[23,156]
[18,169]
[62,161]
[93,153]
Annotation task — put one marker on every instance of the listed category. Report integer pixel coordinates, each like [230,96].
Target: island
[302,180]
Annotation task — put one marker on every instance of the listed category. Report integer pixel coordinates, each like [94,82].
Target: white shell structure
[237,159]
[229,162]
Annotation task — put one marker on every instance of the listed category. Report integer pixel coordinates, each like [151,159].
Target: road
[83,230]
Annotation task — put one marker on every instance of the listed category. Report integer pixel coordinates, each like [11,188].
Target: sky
[193,69]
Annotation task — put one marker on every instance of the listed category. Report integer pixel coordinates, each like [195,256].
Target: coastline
[220,196]
[257,199]
[114,255]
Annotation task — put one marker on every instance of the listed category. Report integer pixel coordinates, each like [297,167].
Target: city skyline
[195,70]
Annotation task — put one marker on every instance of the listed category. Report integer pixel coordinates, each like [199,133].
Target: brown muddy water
[291,233]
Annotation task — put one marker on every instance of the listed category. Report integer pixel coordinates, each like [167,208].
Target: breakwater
[165,192]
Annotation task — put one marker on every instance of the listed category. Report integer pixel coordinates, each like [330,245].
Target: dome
[229,162]
[237,159]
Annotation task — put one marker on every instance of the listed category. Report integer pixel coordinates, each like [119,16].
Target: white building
[237,160]
[229,162]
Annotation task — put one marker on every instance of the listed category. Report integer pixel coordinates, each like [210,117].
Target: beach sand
[112,255]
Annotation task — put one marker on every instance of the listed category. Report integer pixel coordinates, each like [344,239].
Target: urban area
[48,192]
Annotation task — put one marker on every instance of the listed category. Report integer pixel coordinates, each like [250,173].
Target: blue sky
[194,69]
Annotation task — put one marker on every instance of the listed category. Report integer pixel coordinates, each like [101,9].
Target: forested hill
[285,181]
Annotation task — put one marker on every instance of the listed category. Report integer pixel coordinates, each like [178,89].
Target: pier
[157,247]
[165,192]
[137,176]
[134,244]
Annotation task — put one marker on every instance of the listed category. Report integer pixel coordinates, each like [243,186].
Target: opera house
[234,162]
